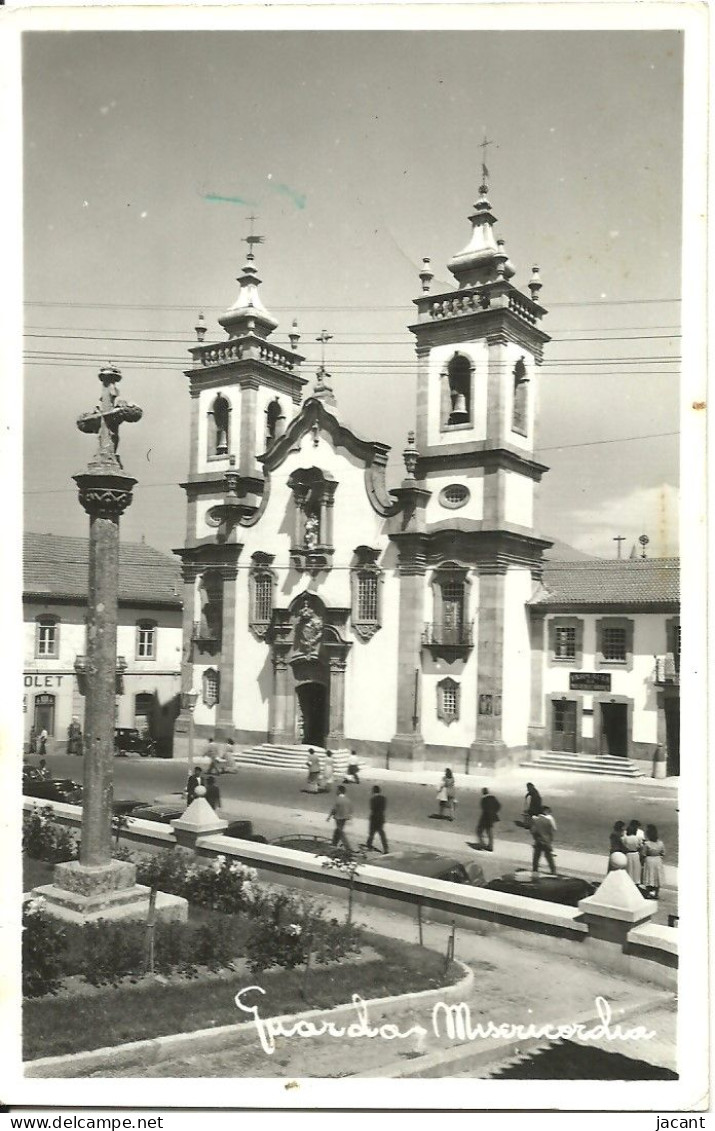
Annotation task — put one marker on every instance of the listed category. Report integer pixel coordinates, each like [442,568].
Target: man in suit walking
[378,805]
[487,819]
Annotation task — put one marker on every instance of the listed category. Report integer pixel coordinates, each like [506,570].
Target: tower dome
[483,260]
[248,314]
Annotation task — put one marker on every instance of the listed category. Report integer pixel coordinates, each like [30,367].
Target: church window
[448,696]
[457,392]
[211,604]
[210,687]
[450,627]
[275,421]
[146,640]
[261,581]
[520,404]
[219,427]
[454,496]
[366,592]
[47,636]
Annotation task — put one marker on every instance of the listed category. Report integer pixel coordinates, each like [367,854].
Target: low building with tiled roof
[605,639]
[149,638]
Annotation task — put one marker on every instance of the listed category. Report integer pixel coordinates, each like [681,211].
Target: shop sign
[43,680]
[589,681]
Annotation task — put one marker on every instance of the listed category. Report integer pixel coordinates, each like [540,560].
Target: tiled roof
[56,566]
[654,581]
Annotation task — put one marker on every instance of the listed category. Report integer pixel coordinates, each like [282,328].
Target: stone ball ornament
[618,861]
[200,791]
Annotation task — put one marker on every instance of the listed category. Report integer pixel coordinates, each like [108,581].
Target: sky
[145,152]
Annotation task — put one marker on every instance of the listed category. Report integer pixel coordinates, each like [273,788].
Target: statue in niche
[312,530]
[308,632]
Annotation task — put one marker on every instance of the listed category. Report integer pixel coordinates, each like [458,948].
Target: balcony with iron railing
[667,670]
[455,637]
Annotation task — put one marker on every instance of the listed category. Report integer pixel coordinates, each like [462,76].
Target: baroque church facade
[320,606]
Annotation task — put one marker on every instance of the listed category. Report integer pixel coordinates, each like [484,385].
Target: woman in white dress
[653,868]
[327,774]
[632,848]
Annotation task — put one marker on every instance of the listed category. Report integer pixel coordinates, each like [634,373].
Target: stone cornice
[631,608]
[239,372]
[209,553]
[499,321]
[478,453]
[472,542]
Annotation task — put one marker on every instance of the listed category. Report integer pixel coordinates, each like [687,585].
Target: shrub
[42,839]
[44,942]
[166,870]
[222,885]
[113,950]
[291,931]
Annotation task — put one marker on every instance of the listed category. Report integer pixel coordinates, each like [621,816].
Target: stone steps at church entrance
[280,756]
[586,764]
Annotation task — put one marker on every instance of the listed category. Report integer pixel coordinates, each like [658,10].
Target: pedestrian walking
[42,742]
[228,753]
[353,770]
[632,846]
[313,765]
[194,780]
[213,793]
[543,827]
[487,819]
[447,795]
[615,842]
[327,774]
[341,813]
[376,825]
[32,741]
[653,867]
[213,755]
[532,805]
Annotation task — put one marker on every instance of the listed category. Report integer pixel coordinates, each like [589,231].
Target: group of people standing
[321,776]
[644,852]
[208,782]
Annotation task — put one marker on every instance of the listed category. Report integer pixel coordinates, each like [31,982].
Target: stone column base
[406,748]
[489,756]
[125,903]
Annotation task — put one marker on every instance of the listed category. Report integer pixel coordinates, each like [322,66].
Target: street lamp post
[191,699]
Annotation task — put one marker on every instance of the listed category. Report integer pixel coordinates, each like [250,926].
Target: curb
[158,1049]
[465,1055]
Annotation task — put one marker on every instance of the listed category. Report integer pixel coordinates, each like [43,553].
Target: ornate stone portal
[309,655]
[96,886]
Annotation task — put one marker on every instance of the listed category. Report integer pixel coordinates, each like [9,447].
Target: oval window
[453,496]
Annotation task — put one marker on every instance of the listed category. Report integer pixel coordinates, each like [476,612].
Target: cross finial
[618,539]
[485,172]
[323,337]
[106,418]
[250,239]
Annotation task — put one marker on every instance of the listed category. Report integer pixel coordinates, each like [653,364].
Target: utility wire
[400,306]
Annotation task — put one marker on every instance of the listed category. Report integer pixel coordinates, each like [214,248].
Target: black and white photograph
[356,463]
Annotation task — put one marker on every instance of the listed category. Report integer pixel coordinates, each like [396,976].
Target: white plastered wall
[472,479]
[518,586]
[518,498]
[461,732]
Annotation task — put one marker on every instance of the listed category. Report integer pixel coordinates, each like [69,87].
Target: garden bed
[54,1026]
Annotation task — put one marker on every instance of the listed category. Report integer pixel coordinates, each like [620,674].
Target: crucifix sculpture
[106,418]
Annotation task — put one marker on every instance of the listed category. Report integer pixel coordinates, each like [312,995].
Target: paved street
[585,807]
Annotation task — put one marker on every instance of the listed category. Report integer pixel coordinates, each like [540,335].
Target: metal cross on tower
[485,172]
[252,239]
[323,337]
[618,539]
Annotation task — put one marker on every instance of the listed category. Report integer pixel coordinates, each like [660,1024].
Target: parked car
[433,866]
[243,830]
[129,740]
[31,773]
[567,890]
[125,807]
[53,789]
[414,861]
[165,814]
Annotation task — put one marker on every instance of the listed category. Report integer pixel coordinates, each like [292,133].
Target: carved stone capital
[104,495]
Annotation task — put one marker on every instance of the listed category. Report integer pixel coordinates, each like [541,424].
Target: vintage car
[129,740]
[417,862]
[165,814]
[51,789]
[567,890]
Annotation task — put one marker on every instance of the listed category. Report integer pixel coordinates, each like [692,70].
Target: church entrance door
[312,713]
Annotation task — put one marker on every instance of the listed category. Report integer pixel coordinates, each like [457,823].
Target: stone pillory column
[105,492]
[97,886]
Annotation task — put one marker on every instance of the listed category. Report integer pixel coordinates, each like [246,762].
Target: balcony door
[452,612]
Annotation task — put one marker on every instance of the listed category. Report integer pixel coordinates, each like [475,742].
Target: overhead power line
[399,306]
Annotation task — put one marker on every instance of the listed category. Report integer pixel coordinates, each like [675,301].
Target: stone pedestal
[197,821]
[612,911]
[407,748]
[488,756]
[84,894]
